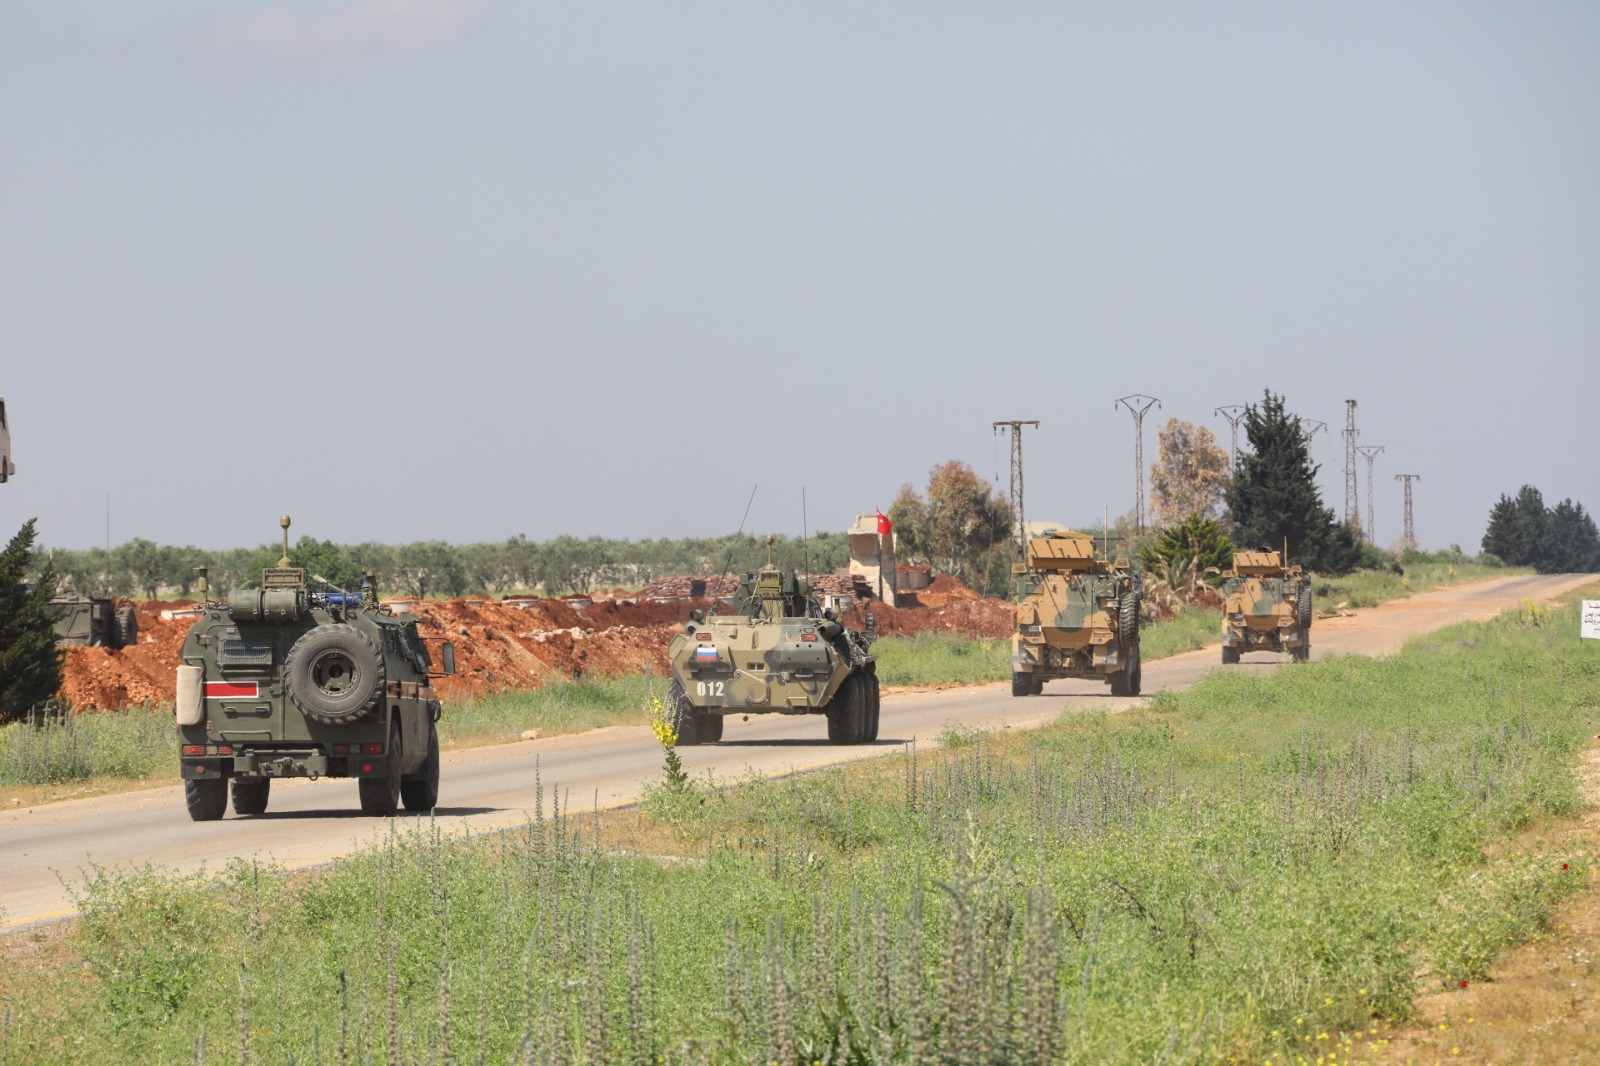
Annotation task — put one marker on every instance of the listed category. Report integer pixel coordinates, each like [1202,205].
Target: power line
[1234,413]
[1137,405]
[1371,452]
[1019,534]
[1352,504]
[1409,540]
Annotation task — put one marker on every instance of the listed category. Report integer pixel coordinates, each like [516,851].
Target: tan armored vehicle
[775,652]
[280,681]
[1079,617]
[1266,607]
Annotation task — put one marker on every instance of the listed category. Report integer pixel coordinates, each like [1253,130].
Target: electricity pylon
[1352,504]
[1371,452]
[1408,540]
[1137,405]
[1019,534]
[1234,413]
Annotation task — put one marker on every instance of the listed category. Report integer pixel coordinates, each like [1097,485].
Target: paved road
[487,788]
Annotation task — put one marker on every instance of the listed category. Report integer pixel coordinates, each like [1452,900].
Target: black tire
[206,799]
[682,716]
[334,674]
[874,705]
[847,712]
[1119,682]
[1302,652]
[380,796]
[250,794]
[1229,655]
[125,625]
[711,728]
[1304,609]
[1128,617]
[1136,673]
[420,791]
[1021,684]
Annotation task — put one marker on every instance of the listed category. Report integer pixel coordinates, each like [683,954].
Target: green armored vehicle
[94,622]
[1079,617]
[1266,607]
[775,653]
[280,681]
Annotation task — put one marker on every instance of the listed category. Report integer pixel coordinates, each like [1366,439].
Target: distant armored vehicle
[1079,617]
[1266,607]
[94,622]
[280,681]
[776,652]
[7,467]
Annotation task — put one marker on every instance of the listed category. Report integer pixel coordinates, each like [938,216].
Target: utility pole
[1137,405]
[1371,452]
[1234,413]
[1352,504]
[1019,534]
[1310,427]
[1409,539]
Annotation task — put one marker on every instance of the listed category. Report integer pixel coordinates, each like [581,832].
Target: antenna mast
[1019,534]
[1408,540]
[1352,504]
[1370,451]
[1137,405]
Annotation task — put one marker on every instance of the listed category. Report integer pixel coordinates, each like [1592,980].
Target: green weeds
[1236,871]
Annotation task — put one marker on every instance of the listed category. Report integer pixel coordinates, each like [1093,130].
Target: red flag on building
[884,525]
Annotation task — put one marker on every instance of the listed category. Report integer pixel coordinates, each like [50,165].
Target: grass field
[1256,869]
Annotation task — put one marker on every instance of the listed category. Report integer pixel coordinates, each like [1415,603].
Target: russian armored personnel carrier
[1266,607]
[1079,617]
[776,652]
[280,681]
[94,622]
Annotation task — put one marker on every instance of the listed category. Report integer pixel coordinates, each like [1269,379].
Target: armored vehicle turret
[773,651]
[1079,617]
[280,681]
[1266,607]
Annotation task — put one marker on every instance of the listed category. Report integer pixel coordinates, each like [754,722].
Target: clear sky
[464,269]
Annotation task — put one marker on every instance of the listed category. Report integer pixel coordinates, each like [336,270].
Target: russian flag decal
[233,690]
[705,653]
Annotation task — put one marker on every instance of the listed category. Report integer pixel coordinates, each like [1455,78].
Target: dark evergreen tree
[1273,496]
[30,662]
[1518,528]
[1572,543]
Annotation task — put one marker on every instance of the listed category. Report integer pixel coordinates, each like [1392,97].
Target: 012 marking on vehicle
[709,688]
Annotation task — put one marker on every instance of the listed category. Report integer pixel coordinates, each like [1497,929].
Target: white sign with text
[1591,619]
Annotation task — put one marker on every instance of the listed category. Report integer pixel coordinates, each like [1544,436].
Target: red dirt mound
[516,644]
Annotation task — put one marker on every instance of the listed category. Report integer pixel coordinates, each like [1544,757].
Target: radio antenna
[715,596]
[805,541]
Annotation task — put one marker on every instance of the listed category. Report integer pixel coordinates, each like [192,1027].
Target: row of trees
[1553,540]
[430,568]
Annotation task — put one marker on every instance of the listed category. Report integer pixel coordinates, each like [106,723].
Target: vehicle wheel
[334,674]
[681,716]
[125,625]
[207,800]
[711,728]
[250,794]
[1021,684]
[420,791]
[1119,681]
[1302,652]
[1128,618]
[1229,655]
[874,703]
[1136,673]
[847,712]
[380,796]
[1305,610]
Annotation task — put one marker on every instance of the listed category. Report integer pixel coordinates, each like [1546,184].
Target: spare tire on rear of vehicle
[1303,612]
[334,674]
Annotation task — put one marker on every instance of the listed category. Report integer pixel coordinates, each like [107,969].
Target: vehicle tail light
[702,636]
[372,749]
[366,768]
[194,749]
[810,638]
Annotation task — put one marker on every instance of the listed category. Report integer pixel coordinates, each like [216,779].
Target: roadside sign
[1591,619]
